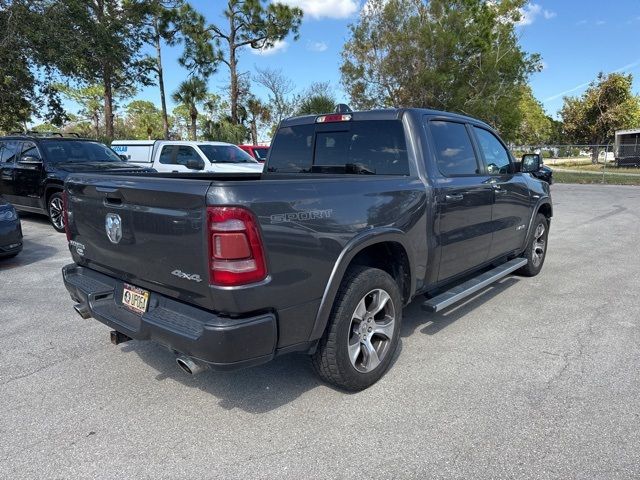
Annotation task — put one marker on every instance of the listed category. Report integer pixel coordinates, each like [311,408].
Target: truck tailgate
[160,242]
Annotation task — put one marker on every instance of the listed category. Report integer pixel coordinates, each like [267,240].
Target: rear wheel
[363,330]
[536,250]
[55,208]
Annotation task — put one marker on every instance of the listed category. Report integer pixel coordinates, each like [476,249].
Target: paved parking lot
[532,378]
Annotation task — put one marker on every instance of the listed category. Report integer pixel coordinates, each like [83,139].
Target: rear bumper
[221,342]
[10,238]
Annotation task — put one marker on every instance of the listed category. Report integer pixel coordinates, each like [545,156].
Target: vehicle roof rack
[43,134]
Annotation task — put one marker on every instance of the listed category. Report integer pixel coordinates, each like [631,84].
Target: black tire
[54,209]
[331,360]
[537,246]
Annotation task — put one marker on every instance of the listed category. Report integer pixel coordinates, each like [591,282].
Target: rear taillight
[236,256]
[65,214]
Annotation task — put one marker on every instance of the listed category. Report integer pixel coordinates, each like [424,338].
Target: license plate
[135,298]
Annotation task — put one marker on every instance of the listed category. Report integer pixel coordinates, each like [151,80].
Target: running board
[470,287]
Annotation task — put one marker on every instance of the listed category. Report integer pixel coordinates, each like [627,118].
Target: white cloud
[600,22]
[531,11]
[317,46]
[325,8]
[278,46]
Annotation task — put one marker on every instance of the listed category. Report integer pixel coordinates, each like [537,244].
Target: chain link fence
[612,164]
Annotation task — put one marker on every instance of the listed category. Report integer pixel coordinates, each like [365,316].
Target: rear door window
[29,149]
[10,151]
[453,148]
[365,147]
[167,155]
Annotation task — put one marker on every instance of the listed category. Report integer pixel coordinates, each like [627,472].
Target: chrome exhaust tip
[83,310]
[189,365]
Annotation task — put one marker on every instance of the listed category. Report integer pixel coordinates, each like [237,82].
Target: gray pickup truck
[355,215]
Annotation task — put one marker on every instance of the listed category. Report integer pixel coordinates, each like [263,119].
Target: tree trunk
[108,106]
[233,70]
[96,124]
[194,127]
[254,131]
[163,101]
[594,155]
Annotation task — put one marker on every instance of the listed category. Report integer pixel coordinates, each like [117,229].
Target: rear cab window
[373,147]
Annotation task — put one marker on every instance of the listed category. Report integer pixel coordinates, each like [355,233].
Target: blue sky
[576,39]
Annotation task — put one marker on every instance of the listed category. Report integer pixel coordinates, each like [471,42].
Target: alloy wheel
[371,331]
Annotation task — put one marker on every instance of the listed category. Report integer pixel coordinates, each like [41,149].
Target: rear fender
[355,246]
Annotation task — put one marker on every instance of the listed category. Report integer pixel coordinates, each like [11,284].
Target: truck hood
[79,167]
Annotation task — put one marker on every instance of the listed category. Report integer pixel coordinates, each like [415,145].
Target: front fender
[355,246]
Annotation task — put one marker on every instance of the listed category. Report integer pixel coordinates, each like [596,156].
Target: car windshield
[78,151]
[261,153]
[226,154]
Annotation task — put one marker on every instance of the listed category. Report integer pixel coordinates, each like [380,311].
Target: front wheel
[363,331]
[536,250]
[55,208]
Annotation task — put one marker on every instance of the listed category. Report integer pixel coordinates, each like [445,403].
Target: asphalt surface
[532,378]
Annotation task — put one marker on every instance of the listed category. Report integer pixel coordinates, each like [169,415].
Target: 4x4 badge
[113,226]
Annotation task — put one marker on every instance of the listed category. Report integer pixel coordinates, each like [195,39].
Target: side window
[29,149]
[292,149]
[186,154]
[167,156]
[454,151]
[495,155]
[10,151]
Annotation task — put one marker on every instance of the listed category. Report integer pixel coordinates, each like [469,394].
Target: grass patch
[569,177]
[590,167]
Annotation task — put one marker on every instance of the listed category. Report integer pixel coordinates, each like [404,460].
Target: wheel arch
[543,206]
[377,249]
[49,190]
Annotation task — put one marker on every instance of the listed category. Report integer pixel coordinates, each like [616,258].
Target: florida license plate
[135,298]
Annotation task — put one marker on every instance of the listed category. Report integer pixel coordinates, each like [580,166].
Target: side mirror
[124,158]
[29,160]
[531,163]
[194,164]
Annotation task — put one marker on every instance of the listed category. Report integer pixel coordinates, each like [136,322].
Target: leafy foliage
[535,127]
[606,106]
[97,42]
[25,90]
[257,24]
[318,98]
[143,120]
[190,93]
[456,55]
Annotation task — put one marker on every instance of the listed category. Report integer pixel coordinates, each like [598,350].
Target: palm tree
[190,93]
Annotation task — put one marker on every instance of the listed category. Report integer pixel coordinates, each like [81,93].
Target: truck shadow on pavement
[254,390]
[270,386]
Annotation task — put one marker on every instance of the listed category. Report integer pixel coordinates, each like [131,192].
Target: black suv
[33,170]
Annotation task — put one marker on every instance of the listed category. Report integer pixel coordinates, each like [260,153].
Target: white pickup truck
[186,156]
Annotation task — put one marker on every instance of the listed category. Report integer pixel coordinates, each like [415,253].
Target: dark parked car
[33,170]
[10,230]
[355,215]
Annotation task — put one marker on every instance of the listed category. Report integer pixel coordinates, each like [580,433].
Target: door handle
[454,197]
[499,190]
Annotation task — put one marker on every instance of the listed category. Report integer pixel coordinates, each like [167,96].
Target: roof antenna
[343,108]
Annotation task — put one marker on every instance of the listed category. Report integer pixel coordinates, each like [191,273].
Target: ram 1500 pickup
[355,215]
